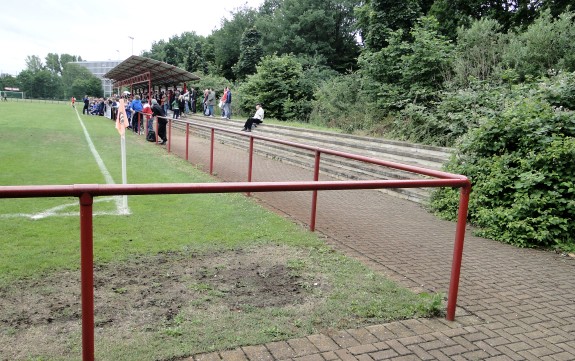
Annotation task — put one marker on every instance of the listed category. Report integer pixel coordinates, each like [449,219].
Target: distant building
[99,68]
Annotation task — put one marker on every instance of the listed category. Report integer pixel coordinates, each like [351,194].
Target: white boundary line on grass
[53,212]
[120,204]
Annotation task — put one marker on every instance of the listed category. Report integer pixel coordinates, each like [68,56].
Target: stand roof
[137,70]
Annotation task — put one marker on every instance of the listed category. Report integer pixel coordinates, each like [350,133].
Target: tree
[53,63]
[251,53]
[479,51]
[40,84]
[546,45]
[378,19]
[87,86]
[67,58]
[79,81]
[33,63]
[278,84]
[416,68]
[312,28]
[226,40]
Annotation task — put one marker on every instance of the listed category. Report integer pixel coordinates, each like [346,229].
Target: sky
[101,29]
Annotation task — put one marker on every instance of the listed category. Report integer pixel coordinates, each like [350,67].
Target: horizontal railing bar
[182,188]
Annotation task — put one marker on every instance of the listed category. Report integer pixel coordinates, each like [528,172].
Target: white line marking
[120,204]
[53,212]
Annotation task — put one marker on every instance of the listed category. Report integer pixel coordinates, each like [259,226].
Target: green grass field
[45,144]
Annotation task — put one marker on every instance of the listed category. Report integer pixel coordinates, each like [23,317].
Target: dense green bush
[280,86]
[521,164]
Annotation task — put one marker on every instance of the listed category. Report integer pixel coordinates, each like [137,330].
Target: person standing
[158,112]
[86,105]
[182,105]
[228,103]
[193,100]
[206,109]
[73,100]
[258,118]
[136,107]
[211,101]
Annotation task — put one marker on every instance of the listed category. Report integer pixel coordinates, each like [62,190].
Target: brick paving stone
[342,338]
[383,354]
[417,326]
[406,341]
[212,356]
[323,343]
[562,356]
[398,347]
[362,349]
[487,348]
[316,357]
[399,330]
[439,355]
[362,335]
[420,353]
[454,332]
[381,332]
[233,355]
[453,350]
[257,353]
[528,356]
[344,355]
[506,351]
[364,357]
[280,350]
[475,355]
[499,358]
[462,341]
[544,351]
[405,358]
[329,356]
[302,346]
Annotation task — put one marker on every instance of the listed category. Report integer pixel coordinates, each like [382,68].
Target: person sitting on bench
[258,118]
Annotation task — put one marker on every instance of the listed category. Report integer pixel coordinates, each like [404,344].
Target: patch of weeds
[120,290]
[431,304]
[275,332]
[296,266]
[200,287]
[248,308]
[173,331]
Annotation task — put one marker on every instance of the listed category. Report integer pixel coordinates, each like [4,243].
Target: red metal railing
[87,192]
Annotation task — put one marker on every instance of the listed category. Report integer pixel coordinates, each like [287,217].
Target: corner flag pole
[121,121]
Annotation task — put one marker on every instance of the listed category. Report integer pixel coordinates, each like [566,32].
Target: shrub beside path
[513,304]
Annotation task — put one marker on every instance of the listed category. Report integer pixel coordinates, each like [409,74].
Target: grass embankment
[45,144]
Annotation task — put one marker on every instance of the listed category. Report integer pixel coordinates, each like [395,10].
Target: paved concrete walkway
[514,304]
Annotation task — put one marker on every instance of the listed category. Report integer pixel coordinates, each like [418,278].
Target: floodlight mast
[131,37]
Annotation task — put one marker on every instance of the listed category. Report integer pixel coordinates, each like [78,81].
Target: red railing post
[212,152]
[251,161]
[458,251]
[187,140]
[314,194]
[169,134]
[87,276]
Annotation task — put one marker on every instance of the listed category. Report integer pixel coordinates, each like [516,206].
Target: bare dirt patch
[39,317]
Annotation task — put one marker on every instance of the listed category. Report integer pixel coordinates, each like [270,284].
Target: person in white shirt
[258,118]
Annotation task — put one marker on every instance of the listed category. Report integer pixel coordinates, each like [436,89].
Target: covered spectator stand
[138,72]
